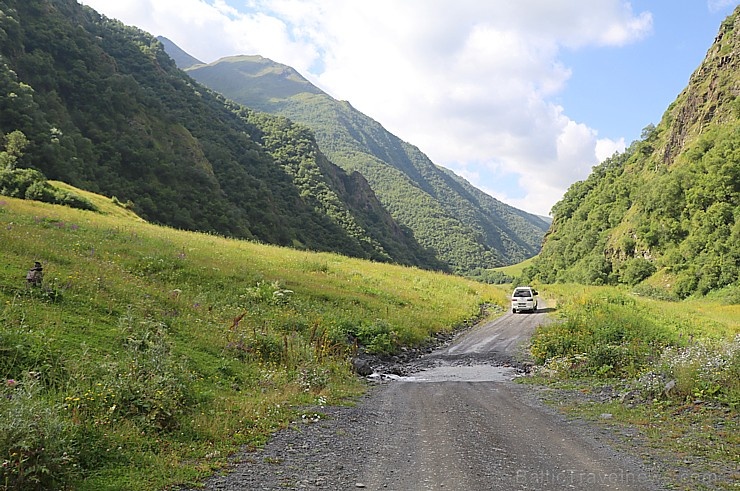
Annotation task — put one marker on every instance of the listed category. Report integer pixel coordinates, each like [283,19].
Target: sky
[522,98]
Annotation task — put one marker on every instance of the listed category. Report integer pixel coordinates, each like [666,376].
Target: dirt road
[460,424]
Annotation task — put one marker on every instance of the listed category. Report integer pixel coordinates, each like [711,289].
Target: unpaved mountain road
[459,424]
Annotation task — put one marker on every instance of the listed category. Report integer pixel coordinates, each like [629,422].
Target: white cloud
[605,148]
[471,83]
[719,5]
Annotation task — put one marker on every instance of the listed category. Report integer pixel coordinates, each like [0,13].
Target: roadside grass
[155,353]
[665,375]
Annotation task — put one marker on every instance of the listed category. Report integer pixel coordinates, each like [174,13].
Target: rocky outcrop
[711,87]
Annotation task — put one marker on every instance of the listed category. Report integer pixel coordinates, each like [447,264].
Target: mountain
[466,228]
[103,107]
[180,57]
[664,214]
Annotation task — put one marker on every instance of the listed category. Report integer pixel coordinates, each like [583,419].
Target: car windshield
[522,293]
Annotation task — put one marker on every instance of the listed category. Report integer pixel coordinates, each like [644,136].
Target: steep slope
[466,228]
[667,211]
[104,108]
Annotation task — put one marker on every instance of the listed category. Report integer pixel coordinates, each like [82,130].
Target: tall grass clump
[604,332]
[37,441]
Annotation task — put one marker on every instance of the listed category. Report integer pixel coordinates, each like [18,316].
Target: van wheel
[513,311]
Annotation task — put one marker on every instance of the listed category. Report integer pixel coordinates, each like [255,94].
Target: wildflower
[11,383]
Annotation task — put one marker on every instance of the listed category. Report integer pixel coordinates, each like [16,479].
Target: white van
[524,298]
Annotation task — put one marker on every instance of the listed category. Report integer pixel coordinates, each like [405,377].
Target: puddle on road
[468,373]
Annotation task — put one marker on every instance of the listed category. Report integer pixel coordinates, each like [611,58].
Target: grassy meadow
[150,354]
[515,270]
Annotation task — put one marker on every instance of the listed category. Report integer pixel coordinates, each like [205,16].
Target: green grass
[515,270]
[156,353]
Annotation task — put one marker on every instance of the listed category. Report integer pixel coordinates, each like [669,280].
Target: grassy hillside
[515,270]
[152,353]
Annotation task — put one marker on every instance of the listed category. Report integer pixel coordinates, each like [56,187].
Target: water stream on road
[466,373]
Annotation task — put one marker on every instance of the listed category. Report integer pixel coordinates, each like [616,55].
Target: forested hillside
[465,227]
[100,105]
[664,214]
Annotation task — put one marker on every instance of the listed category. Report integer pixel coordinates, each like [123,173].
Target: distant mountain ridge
[465,227]
[665,214]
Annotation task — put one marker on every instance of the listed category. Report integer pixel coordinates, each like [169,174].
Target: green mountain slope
[667,211]
[105,108]
[466,228]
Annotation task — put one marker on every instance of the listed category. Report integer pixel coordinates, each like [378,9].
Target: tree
[15,143]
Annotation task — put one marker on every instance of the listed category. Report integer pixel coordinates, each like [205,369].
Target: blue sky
[522,98]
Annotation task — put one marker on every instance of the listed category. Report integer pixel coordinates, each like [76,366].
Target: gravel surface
[336,451]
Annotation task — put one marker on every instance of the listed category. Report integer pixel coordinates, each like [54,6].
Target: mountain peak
[182,59]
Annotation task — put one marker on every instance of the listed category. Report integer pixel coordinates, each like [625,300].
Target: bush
[729,295]
[635,270]
[378,337]
[145,384]
[268,293]
[16,183]
[32,184]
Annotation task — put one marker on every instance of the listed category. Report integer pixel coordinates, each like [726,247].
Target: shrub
[16,182]
[268,293]
[635,270]
[32,184]
[378,337]
[145,384]
[149,383]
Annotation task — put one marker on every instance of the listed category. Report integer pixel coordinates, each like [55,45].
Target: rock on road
[460,424]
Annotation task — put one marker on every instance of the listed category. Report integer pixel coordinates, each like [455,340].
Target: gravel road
[457,423]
